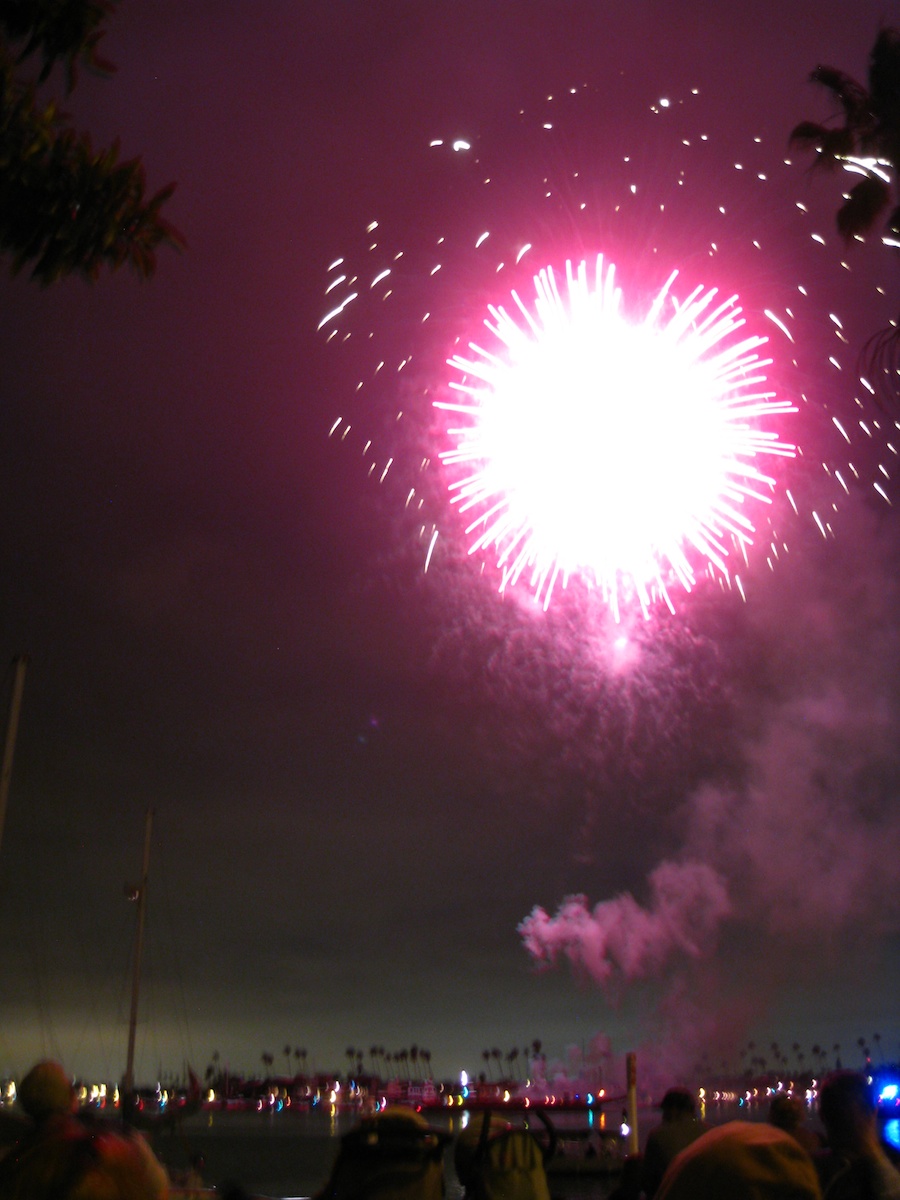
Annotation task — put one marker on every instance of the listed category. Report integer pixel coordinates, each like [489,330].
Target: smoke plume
[780,873]
[620,940]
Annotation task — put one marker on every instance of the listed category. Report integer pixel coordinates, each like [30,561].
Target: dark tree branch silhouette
[66,208]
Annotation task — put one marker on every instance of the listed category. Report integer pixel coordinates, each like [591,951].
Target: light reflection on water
[291,1154]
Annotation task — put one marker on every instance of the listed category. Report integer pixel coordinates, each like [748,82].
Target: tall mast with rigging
[128,1081]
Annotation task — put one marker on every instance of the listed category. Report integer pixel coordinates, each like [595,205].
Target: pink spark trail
[625,452]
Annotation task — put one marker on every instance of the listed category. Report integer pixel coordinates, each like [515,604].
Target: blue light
[892,1132]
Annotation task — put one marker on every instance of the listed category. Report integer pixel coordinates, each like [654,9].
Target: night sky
[365,776]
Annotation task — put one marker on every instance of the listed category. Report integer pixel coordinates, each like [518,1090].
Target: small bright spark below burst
[623,452]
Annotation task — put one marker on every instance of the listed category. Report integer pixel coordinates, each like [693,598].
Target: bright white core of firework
[622,451]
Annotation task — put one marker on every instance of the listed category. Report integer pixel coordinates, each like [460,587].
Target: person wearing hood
[680,1127]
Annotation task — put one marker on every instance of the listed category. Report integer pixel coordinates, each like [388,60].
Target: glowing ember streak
[621,451]
[336,312]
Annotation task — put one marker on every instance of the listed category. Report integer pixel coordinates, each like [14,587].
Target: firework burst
[632,438]
[612,449]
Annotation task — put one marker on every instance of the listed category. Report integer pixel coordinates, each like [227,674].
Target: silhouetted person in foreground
[44,1094]
[855,1165]
[787,1113]
[64,1156]
[628,1186]
[679,1129]
[393,1153]
[743,1160]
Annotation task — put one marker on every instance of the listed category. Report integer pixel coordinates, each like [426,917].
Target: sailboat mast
[128,1082]
[12,728]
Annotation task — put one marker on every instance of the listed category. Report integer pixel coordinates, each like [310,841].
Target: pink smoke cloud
[619,941]
[804,827]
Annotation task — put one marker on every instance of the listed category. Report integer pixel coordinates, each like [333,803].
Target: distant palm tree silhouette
[871,132]
[868,143]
